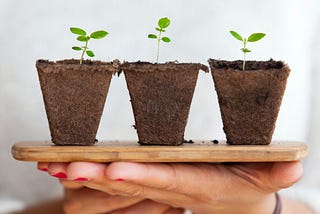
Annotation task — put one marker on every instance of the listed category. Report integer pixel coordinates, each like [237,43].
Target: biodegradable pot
[161,96]
[74,97]
[249,100]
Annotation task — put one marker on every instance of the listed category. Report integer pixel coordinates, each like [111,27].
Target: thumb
[285,174]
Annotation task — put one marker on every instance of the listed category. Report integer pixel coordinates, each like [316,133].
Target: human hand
[200,187]
[82,200]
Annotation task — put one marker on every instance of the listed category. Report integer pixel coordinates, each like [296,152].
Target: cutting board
[198,151]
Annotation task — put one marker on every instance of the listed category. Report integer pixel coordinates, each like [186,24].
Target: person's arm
[203,188]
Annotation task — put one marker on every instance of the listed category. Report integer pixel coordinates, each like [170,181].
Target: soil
[74,97]
[188,141]
[215,141]
[161,95]
[249,100]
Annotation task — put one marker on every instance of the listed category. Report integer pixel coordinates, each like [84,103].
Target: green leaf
[152,36]
[90,53]
[164,22]
[76,48]
[99,34]
[236,35]
[256,37]
[165,39]
[245,50]
[77,31]
[160,30]
[82,38]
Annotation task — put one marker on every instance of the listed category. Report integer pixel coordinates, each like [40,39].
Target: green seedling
[252,38]
[83,37]
[163,23]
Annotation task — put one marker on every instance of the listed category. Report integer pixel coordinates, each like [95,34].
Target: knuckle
[134,192]
[172,186]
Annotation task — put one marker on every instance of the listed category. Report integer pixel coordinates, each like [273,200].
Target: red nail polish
[81,179]
[43,169]
[60,175]
[119,179]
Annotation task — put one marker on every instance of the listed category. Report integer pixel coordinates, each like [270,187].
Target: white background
[199,30]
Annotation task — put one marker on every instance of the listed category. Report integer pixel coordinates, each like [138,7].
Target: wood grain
[200,151]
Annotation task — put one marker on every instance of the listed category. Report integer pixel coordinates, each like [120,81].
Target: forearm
[290,206]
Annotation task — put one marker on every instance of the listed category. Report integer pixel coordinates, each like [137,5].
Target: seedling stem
[252,38]
[83,37]
[84,50]
[162,24]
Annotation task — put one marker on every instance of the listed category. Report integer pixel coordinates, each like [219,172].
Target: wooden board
[200,151]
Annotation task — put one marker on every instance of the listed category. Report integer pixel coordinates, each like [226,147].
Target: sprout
[252,38]
[162,24]
[83,37]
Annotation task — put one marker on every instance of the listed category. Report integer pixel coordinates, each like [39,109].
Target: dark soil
[188,141]
[250,65]
[249,100]
[74,97]
[215,141]
[161,95]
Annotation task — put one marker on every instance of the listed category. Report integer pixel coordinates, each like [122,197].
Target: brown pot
[161,95]
[249,100]
[74,97]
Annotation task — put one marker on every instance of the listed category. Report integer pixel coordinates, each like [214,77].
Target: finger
[87,201]
[85,171]
[71,184]
[43,166]
[268,177]
[58,170]
[144,207]
[136,190]
[91,175]
[97,179]
[180,178]
[285,174]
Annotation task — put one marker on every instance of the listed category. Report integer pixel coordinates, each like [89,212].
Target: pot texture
[161,96]
[249,100]
[74,97]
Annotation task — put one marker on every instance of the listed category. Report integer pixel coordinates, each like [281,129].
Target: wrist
[266,205]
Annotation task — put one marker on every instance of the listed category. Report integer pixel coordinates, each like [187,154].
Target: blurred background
[34,29]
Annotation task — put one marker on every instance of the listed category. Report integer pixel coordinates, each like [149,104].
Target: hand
[81,200]
[200,187]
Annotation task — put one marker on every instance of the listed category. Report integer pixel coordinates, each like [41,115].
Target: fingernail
[81,179]
[43,169]
[119,179]
[60,175]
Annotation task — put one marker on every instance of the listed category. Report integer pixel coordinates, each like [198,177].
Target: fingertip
[285,174]
[86,171]
[43,166]
[121,171]
[58,170]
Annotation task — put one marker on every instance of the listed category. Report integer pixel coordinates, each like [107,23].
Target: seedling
[83,37]
[163,23]
[252,38]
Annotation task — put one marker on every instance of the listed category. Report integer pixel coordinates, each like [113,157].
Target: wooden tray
[199,151]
